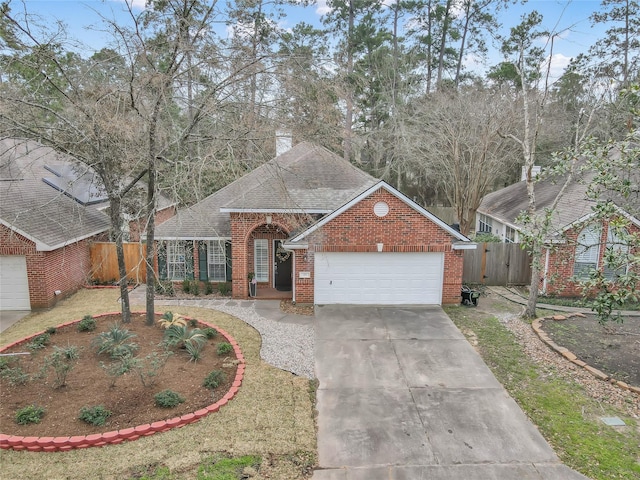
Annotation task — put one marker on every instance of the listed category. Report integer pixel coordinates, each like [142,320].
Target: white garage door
[378,278]
[14,285]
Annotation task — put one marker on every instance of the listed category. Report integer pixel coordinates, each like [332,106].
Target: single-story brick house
[575,244]
[51,209]
[310,222]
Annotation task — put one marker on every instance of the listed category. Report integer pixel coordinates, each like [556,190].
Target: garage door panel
[14,284]
[378,278]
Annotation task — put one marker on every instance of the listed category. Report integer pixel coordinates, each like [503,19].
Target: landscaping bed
[92,380]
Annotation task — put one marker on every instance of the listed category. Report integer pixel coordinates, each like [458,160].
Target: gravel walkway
[286,346]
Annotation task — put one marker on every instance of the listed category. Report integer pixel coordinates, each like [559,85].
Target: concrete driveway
[404,396]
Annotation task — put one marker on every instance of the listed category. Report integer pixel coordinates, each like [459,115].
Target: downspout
[293,280]
[546,272]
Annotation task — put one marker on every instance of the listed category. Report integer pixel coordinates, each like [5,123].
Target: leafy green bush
[210,333]
[224,288]
[29,414]
[39,342]
[62,361]
[116,342]
[208,288]
[186,286]
[150,368]
[224,348]
[179,335]
[51,330]
[193,323]
[168,399]
[195,287]
[213,379]
[97,415]
[484,237]
[119,367]
[14,375]
[87,324]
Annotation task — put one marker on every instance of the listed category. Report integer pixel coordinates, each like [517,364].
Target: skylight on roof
[79,183]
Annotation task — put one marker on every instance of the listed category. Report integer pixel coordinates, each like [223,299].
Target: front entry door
[282,266]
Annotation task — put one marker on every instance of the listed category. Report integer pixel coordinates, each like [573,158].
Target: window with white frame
[509,235]
[176,261]
[261,259]
[617,245]
[484,224]
[217,261]
[587,252]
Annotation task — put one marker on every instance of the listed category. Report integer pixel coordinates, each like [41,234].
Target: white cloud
[322,7]
[559,63]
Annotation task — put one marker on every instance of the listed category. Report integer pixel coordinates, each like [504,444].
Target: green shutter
[188,260]
[162,260]
[227,254]
[202,261]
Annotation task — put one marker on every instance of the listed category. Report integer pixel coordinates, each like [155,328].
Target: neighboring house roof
[51,198]
[506,204]
[33,207]
[306,179]
[298,237]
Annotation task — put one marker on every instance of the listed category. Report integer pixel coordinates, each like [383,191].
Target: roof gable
[364,194]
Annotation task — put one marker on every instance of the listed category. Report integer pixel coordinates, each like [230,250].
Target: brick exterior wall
[65,269]
[561,263]
[356,230]
[136,227]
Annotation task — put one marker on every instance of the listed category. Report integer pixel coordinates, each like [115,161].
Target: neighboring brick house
[313,224]
[575,245]
[47,223]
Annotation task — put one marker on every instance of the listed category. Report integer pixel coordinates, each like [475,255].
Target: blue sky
[569,17]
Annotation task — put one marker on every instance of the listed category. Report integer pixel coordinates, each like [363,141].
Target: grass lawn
[267,427]
[565,415]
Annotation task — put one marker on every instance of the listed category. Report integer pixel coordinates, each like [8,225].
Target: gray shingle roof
[506,204]
[306,178]
[36,209]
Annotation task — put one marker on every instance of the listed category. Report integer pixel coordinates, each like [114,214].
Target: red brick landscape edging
[537,327]
[61,444]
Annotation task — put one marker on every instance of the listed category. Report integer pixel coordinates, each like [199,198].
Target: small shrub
[39,342]
[51,330]
[62,361]
[167,399]
[486,237]
[15,375]
[210,333]
[213,379]
[150,368]
[4,363]
[179,336]
[186,286]
[87,324]
[195,288]
[194,350]
[165,288]
[208,288]
[224,348]
[193,323]
[116,342]
[224,288]
[169,318]
[119,367]
[97,415]
[29,414]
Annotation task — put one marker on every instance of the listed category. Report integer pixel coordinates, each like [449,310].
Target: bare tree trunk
[443,42]
[116,223]
[348,121]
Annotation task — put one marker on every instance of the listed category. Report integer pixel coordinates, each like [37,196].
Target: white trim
[204,239]
[274,210]
[392,191]
[299,246]
[256,242]
[464,246]
[546,272]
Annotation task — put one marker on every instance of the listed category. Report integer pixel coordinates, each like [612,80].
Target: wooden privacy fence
[104,262]
[497,264]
